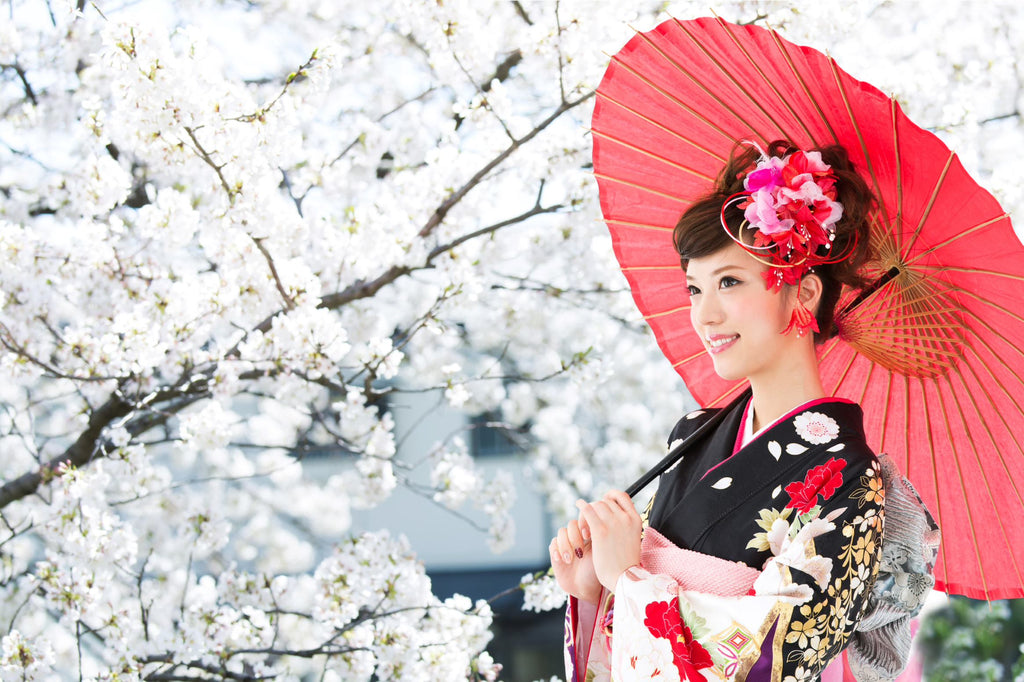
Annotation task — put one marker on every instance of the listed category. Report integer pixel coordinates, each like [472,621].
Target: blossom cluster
[231,235]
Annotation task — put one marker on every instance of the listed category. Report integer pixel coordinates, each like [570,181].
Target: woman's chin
[727,373]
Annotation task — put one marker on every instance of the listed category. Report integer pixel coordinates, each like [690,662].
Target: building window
[490,436]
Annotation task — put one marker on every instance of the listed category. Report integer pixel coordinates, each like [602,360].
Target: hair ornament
[789,203]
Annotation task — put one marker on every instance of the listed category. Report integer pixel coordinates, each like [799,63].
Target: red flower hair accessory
[790,204]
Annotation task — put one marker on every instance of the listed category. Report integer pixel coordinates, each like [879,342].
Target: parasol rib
[940,269]
[647,190]
[967,232]
[883,422]
[672,98]
[845,372]
[652,155]
[997,409]
[931,202]
[897,234]
[963,487]
[935,479]
[807,91]
[693,357]
[739,86]
[988,431]
[730,393]
[649,268]
[674,133]
[642,226]
[860,138]
[651,316]
[678,67]
[984,474]
[906,421]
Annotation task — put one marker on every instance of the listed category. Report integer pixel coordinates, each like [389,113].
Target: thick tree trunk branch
[78,454]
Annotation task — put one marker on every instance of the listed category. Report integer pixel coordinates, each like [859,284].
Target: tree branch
[458,195]
[77,454]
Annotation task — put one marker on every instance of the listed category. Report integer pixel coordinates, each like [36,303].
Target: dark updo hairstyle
[699,231]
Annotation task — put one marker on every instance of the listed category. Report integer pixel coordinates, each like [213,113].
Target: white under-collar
[748,426]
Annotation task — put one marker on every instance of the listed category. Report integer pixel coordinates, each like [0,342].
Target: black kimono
[756,562]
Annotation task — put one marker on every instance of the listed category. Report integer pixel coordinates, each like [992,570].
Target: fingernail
[585,532]
[566,557]
[579,553]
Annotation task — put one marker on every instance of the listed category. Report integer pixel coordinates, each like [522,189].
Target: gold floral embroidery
[817,634]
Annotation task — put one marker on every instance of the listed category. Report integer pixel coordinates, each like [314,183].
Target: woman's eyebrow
[717,271]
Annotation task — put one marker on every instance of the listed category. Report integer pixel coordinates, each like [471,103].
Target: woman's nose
[706,310]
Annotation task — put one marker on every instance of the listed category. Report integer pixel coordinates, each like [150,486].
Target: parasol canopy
[933,352]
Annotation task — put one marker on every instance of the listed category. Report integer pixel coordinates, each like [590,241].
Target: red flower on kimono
[663,620]
[822,480]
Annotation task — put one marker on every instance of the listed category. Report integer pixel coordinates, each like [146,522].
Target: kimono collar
[745,434]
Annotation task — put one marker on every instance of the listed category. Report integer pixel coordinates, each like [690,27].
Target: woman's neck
[790,386]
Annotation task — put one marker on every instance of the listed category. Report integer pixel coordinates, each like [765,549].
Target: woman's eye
[728,282]
[692,290]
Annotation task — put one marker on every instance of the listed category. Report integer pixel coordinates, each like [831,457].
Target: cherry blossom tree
[231,231]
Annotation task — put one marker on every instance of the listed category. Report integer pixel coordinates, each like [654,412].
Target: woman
[764,541]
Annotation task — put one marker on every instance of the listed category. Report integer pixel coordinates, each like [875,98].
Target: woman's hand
[614,527]
[573,563]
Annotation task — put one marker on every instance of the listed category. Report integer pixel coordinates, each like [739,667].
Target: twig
[289,302]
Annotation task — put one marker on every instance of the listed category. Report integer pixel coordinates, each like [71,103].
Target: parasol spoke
[807,91]
[675,100]
[997,410]
[642,226]
[906,423]
[651,316]
[942,269]
[884,421]
[647,190]
[729,394]
[860,139]
[695,356]
[1000,407]
[995,306]
[963,486]
[669,131]
[700,86]
[650,268]
[651,155]
[997,358]
[937,512]
[965,233]
[897,234]
[756,101]
[931,202]
[843,374]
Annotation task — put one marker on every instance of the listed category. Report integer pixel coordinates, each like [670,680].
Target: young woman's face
[739,320]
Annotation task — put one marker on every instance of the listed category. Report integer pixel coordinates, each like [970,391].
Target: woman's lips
[718,344]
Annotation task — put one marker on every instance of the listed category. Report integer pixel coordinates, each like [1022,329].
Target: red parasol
[933,353]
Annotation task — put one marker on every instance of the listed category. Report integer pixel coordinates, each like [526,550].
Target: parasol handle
[875,286]
[679,450]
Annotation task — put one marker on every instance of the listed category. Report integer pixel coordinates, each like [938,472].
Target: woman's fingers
[621,500]
[565,549]
[572,531]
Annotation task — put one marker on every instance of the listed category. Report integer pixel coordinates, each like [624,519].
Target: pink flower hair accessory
[790,204]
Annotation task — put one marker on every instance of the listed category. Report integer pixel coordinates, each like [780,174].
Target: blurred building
[454,550]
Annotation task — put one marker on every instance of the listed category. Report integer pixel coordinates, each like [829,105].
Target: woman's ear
[810,292]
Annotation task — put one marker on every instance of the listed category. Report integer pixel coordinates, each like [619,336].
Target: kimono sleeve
[686,615]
